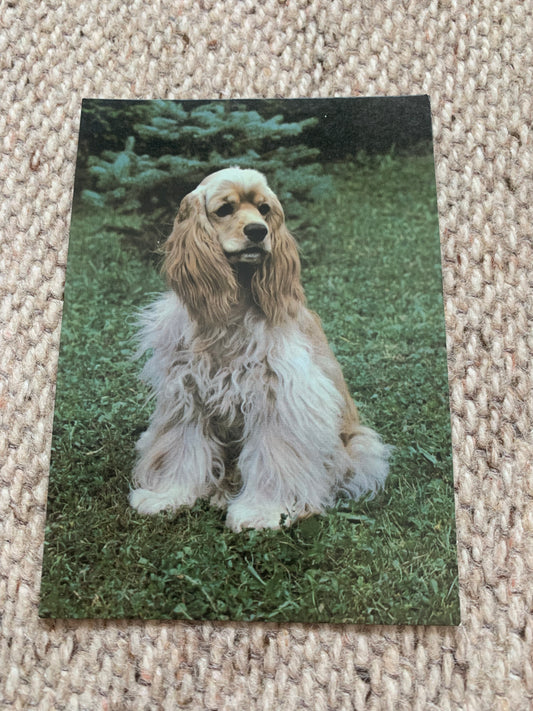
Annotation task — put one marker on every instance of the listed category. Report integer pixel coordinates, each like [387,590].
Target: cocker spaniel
[252,410]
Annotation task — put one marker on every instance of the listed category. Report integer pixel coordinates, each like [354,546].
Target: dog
[251,407]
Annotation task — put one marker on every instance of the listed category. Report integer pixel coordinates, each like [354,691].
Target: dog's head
[232,219]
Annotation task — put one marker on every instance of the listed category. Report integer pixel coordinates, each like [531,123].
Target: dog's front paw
[152,502]
[242,515]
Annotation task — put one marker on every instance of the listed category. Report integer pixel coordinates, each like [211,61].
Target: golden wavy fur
[252,409]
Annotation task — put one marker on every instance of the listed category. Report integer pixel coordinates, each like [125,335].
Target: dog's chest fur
[237,373]
[236,377]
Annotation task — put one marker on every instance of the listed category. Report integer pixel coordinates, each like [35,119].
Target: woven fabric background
[474,59]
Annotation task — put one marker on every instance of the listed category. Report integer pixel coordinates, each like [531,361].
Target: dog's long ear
[195,265]
[276,284]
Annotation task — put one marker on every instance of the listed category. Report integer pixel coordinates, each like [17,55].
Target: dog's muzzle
[254,253]
[250,255]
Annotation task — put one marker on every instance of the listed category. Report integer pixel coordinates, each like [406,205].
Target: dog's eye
[264,209]
[224,210]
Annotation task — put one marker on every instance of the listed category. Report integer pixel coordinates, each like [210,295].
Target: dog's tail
[369,468]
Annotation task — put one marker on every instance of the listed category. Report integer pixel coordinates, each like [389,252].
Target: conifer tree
[172,151]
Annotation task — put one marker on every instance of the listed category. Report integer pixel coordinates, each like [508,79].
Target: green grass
[371,268]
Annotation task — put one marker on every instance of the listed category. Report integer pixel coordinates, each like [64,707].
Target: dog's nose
[255,231]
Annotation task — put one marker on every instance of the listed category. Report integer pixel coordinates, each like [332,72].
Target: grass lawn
[371,268]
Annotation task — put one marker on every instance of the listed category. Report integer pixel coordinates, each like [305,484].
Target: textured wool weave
[474,59]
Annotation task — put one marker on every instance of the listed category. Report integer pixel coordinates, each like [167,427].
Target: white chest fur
[248,367]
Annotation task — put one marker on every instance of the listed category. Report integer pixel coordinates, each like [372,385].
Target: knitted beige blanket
[474,59]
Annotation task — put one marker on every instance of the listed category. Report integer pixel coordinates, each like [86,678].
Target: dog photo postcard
[252,417]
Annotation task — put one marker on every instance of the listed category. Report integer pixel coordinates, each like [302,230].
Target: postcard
[252,417]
